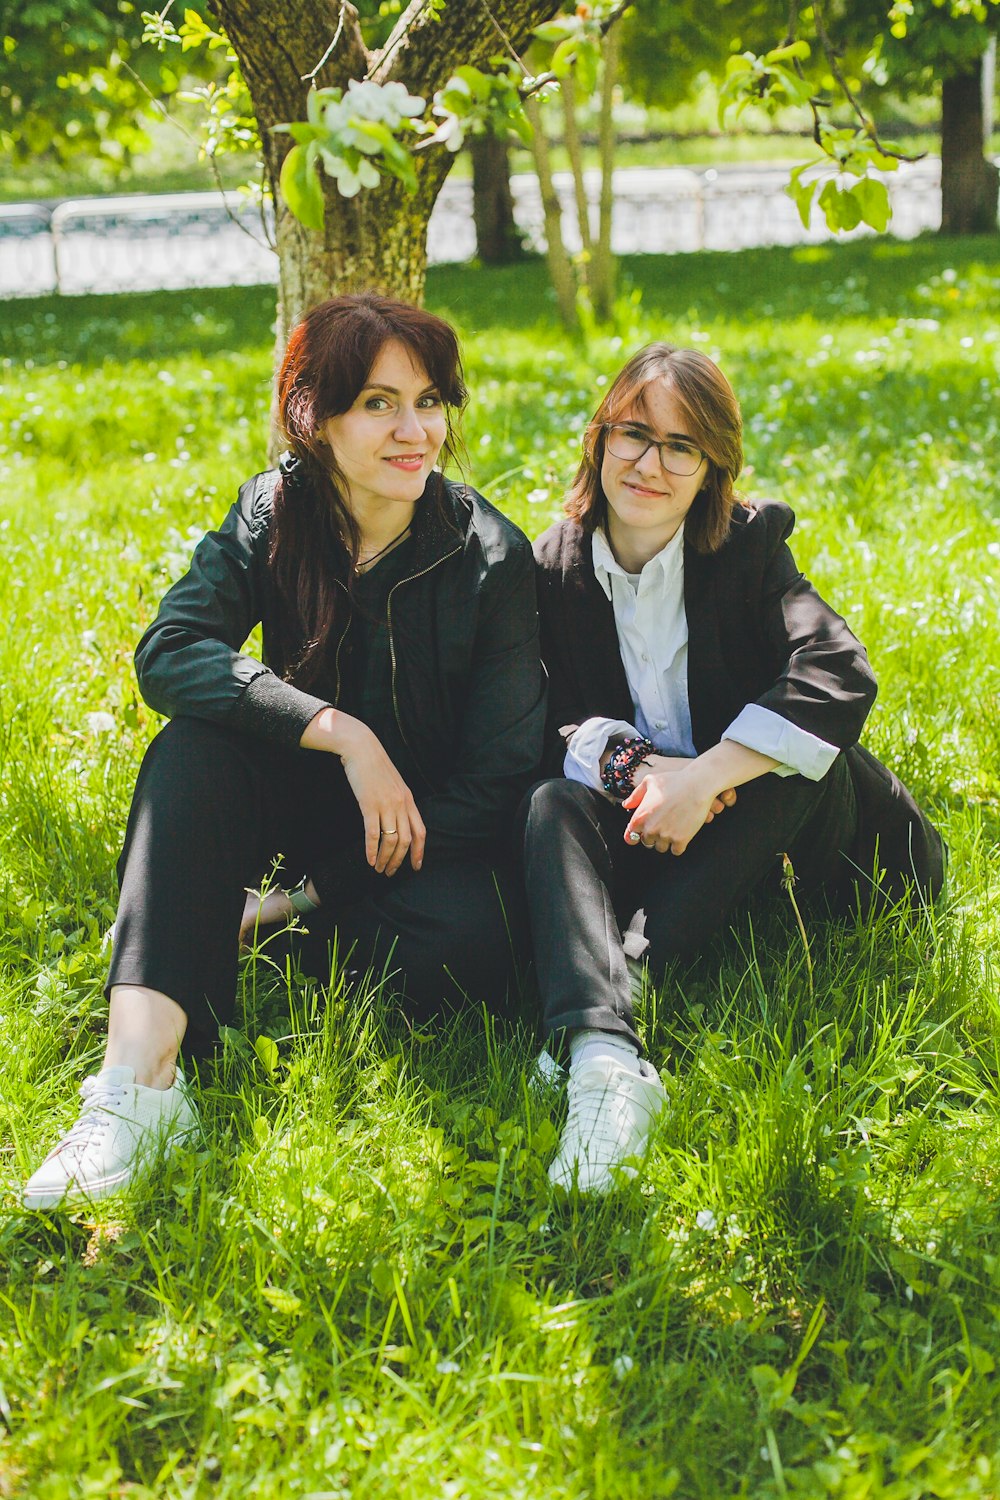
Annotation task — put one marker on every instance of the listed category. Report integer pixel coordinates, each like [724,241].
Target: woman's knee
[551,804]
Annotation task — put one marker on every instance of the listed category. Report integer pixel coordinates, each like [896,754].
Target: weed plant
[360,1283]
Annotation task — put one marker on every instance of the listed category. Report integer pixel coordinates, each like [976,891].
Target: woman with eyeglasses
[704,709]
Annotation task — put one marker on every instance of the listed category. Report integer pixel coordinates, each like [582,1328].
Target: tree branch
[423,48]
[540,80]
[308,77]
[867,124]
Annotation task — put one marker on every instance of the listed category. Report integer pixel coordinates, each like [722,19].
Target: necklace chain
[366,562]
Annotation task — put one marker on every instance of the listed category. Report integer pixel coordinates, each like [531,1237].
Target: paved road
[139,243]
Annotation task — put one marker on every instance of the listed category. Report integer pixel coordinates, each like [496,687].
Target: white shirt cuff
[797,752]
[585,747]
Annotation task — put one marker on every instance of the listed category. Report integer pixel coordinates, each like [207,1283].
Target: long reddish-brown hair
[711,412]
[328,359]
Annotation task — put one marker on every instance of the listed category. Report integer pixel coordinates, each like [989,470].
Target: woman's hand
[393,826]
[670,806]
[667,763]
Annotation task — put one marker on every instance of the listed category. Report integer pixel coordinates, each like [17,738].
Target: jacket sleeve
[190,660]
[566,703]
[822,683]
[504,717]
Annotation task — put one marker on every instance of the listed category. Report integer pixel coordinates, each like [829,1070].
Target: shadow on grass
[864,277]
[123,326]
[828,282]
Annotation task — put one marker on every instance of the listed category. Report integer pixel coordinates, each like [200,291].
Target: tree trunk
[376,241]
[575,153]
[605,267]
[560,268]
[968,180]
[379,238]
[498,239]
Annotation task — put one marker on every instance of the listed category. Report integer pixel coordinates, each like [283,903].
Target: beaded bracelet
[622,764]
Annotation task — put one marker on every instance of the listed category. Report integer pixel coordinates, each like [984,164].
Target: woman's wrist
[335,732]
[729,764]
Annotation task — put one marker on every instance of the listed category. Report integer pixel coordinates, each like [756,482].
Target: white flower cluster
[359,126]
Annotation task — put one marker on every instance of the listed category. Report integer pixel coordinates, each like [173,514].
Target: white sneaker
[612,1111]
[545,1075]
[122,1128]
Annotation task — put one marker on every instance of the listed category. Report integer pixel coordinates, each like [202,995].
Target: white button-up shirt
[653,639]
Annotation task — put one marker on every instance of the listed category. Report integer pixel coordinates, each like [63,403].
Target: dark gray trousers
[584,883]
[212,812]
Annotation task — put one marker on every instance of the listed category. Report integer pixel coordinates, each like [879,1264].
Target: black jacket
[468,686]
[758,632]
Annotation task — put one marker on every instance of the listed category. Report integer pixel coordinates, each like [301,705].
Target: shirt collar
[668,561]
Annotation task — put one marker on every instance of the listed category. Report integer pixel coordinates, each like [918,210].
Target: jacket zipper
[392,651]
[336,658]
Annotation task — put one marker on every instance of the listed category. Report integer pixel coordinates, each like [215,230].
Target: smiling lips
[410,462]
[643,489]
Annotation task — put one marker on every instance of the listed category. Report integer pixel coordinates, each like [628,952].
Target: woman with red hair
[374,754]
[704,708]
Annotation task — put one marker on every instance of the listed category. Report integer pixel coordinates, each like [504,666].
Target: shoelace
[589,1108]
[100,1100]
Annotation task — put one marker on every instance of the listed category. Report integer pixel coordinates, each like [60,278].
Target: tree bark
[605,266]
[498,239]
[575,153]
[968,180]
[379,238]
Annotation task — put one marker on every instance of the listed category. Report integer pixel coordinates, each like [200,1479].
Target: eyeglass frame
[658,443]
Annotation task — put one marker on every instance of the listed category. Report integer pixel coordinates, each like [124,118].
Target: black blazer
[758,632]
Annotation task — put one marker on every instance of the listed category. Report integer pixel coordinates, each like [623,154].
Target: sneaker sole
[75,1196]
[606,1183]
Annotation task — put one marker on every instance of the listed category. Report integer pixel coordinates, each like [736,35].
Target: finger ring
[633,837]
[386,832]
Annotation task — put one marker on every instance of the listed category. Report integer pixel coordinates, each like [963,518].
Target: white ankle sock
[586,1046]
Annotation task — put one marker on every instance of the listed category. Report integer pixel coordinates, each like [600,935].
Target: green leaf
[300,186]
[478,83]
[382,1279]
[840,206]
[588,59]
[281,1300]
[266,1049]
[397,159]
[301,132]
[802,193]
[521,126]
[316,102]
[799,49]
[873,197]
[555,31]
[564,57]
[742,63]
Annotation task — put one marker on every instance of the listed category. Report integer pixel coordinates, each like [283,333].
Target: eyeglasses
[677,455]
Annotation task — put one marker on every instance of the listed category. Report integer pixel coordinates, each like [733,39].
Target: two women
[380,746]
[704,708]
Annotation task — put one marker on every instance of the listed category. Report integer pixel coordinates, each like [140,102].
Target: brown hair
[328,359]
[711,411]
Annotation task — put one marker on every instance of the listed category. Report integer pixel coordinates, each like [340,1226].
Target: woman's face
[646,503]
[387,443]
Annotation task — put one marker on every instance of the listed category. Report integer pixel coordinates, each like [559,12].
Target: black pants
[213,810]
[584,883]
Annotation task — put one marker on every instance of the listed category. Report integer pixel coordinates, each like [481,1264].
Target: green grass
[360,1283]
